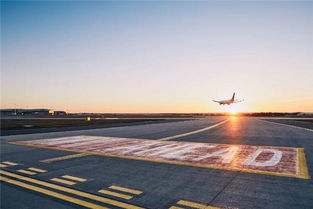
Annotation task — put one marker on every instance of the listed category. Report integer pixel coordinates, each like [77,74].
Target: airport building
[39,112]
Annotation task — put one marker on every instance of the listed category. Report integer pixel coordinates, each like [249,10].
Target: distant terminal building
[59,112]
[305,114]
[35,112]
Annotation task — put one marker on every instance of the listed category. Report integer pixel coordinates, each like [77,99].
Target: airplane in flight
[228,101]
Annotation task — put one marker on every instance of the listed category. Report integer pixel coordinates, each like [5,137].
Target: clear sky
[157,56]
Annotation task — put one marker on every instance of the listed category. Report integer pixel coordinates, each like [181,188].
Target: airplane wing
[215,101]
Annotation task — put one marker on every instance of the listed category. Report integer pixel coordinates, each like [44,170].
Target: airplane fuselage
[228,101]
[224,102]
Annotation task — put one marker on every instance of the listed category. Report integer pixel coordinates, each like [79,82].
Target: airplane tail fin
[233,98]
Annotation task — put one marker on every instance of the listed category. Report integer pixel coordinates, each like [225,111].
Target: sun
[233,111]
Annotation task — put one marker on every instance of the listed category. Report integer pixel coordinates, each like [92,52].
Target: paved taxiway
[93,181]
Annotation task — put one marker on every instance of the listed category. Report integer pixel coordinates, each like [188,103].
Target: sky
[157,57]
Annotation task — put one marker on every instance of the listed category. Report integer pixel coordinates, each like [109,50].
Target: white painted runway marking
[282,124]
[270,160]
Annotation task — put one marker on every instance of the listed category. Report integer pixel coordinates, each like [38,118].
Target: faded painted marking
[52,194]
[63,181]
[123,189]
[115,194]
[195,205]
[74,178]
[292,126]
[26,172]
[302,165]
[37,170]
[270,160]
[9,163]
[64,157]
[2,165]
[72,191]
[193,132]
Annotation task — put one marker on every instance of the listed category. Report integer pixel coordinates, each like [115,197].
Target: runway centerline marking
[194,132]
[269,160]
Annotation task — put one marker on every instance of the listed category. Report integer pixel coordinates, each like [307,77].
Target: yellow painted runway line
[52,194]
[123,189]
[194,132]
[74,178]
[37,170]
[115,194]
[26,172]
[9,163]
[72,191]
[63,181]
[302,166]
[195,205]
[174,207]
[2,165]
[64,157]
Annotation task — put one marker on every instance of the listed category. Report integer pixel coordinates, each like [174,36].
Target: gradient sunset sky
[157,56]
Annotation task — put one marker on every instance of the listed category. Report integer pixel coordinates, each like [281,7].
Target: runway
[213,162]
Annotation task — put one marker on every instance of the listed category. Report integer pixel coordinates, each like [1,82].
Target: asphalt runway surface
[254,163]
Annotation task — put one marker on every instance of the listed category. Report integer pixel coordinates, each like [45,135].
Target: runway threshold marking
[268,160]
[2,165]
[52,193]
[115,194]
[64,157]
[74,178]
[63,181]
[194,205]
[37,170]
[31,171]
[26,172]
[5,164]
[120,189]
[292,126]
[9,163]
[194,132]
[72,191]
[124,189]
